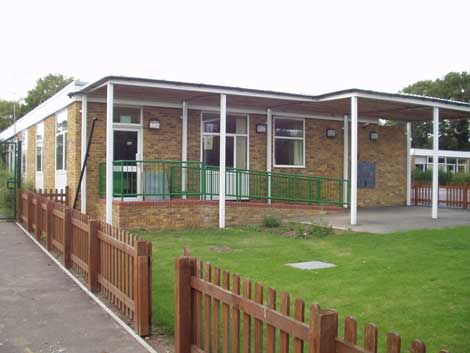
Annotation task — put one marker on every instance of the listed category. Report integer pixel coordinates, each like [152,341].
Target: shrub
[271,221]
[445,178]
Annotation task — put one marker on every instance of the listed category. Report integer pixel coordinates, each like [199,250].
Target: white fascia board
[57,102]
[402,99]
[207,108]
[442,153]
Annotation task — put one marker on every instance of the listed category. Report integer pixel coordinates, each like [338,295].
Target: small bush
[271,221]
[313,231]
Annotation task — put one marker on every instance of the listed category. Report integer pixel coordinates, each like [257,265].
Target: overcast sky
[294,46]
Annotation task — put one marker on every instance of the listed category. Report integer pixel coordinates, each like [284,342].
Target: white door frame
[140,155]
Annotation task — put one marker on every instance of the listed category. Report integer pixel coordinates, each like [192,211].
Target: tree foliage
[455,134]
[45,88]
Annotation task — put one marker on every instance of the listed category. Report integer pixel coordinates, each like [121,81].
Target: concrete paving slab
[43,310]
[393,219]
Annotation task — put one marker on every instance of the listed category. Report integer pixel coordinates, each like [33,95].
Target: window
[236,143]
[61,141]
[123,115]
[289,142]
[24,153]
[39,146]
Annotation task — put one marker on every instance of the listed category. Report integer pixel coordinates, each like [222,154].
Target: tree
[45,88]
[6,114]
[455,134]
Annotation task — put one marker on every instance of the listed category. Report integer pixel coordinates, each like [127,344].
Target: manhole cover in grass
[311,265]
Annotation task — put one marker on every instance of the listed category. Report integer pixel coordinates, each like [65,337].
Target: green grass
[415,283]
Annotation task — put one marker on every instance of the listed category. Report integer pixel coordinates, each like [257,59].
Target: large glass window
[39,146]
[236,145]
[289,142]
[61,141]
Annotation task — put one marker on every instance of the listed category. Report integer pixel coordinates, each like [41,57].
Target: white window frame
[280,117]
[64,139]
[41,145]
[234,135]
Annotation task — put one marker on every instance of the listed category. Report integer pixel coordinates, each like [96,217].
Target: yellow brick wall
[389,154]
[73,148]
[31,158]
[97,154]
[49,153]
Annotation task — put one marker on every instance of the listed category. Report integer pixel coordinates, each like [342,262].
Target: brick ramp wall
[190,214]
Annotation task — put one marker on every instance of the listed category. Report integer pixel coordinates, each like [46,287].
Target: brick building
[158,149]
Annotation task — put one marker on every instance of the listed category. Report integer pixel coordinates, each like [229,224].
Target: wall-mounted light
[261,128]
[154,124]
[331,133]
[373,135]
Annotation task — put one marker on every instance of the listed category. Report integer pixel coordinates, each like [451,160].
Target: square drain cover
[311,265]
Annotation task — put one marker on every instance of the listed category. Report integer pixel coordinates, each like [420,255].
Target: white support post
[408,164]
[83,152]
[345,161]
[223,124]
[269,149]
[109,153]
[184,148]
[353,160]
[435,163]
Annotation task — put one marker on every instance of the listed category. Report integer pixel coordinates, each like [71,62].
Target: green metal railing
[163,180]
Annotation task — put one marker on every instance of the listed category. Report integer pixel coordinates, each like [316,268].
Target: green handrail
[163,179]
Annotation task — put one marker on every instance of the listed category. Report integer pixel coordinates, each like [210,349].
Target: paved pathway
[394,219]
[43,310]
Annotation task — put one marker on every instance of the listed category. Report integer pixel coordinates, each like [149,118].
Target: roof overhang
[372,104]
[442,153]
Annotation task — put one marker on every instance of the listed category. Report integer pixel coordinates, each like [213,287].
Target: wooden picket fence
[110,260]
[455,195]
[209,308]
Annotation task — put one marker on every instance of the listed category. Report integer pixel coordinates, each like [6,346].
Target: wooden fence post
[50,224]
[67,232]
[30,212]
[323,330]
[185,268]
[66,196]
[142,290]
[465,195]
[37,216]
[93,255]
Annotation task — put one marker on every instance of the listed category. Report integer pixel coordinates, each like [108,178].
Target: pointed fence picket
[214,314]
[108,259]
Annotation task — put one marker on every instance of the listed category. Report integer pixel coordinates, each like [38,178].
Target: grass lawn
[415,283]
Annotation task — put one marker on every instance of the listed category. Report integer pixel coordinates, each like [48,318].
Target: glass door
[126,173]
[236,154]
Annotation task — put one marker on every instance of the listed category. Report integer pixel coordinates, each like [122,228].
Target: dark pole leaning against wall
[77,193]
